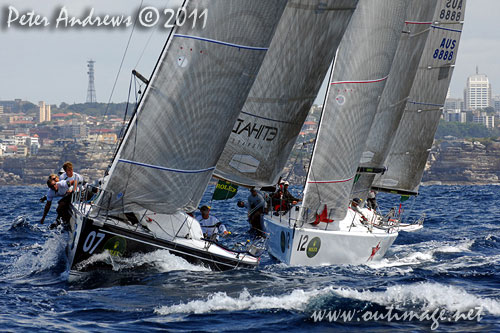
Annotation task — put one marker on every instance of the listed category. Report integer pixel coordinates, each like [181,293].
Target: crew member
[371,202]
[210,225]
[69,174]
[256,205]
[288,197]
[59,189]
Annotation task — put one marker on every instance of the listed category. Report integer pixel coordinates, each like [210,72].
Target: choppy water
[451,265]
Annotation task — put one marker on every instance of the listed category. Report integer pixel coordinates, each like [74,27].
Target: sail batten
[238,46]
[287,84]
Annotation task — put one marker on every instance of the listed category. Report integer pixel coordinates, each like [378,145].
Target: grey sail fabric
[287,84]
[415,134]
[196,92]
[418,23]
[361,69]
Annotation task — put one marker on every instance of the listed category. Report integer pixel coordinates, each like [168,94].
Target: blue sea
[447,276]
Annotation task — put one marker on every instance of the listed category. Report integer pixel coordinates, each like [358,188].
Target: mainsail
[415,134]
[196,92]
[287,84]
[418,23]
[360,73]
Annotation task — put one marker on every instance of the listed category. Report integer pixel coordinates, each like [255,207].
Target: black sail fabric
[360,73]
[196,92]
[413,140]
[302,49]
[419,18]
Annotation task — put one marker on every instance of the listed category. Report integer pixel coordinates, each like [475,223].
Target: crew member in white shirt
[58,189]
[210,225]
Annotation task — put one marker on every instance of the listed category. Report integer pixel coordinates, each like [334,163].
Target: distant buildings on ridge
[478,105]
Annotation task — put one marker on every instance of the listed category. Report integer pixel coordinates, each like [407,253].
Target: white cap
[286,183]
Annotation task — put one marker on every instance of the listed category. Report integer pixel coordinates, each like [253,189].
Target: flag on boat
[224,190]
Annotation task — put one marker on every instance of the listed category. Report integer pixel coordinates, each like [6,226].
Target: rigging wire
[116,78]
[317,133]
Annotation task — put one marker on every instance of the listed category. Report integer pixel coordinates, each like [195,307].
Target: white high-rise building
[477,93]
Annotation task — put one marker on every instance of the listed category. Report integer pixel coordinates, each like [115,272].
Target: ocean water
[447,275]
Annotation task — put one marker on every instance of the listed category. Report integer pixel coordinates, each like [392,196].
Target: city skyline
[47,64]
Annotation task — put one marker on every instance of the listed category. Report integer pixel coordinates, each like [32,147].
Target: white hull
[352,243]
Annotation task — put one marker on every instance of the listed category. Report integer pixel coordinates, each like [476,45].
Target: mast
[362,67]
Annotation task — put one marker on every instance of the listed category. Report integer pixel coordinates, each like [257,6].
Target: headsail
[362,67]
[190,105]
[287,84]
[419,18]
[413,140]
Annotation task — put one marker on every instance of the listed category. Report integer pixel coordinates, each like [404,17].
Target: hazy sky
[48,63]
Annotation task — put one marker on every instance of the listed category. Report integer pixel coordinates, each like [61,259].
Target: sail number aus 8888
[445,50]
[452,11]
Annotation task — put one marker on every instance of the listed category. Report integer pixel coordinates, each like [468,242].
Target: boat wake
[426,252]
[160,260]
[416,297]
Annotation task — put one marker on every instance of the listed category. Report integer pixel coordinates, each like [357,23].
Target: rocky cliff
[464,162]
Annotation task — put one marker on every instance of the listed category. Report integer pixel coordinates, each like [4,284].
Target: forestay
[360,73]
[413,140]
[287,84]
[196,92]
[414,35]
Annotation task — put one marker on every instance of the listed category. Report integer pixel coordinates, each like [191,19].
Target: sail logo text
[445,51]
[256,131]
[226,188]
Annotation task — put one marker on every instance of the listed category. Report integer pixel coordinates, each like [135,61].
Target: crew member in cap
[288,197]
[210,225]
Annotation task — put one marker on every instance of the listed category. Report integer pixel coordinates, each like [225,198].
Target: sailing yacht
[324,229]
[174,140]
[326,234]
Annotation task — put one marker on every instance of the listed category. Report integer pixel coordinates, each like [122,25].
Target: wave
[425,296]
[220,301]
[421,253]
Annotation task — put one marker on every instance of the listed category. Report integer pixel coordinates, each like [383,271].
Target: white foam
[460,247]
[40,257]
[220,301]
[427,295]
[161,259]
[420,253]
